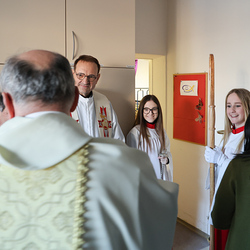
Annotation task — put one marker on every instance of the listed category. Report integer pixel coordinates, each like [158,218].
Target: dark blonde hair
[244,96]
[139,120]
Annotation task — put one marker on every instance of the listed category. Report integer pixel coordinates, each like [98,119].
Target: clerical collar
[238,130]
[90,95]
[150,125]
[36,114]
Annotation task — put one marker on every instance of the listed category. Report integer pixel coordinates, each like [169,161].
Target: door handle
[73,36]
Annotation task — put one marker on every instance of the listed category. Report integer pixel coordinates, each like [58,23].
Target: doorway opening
[157,79]
[143,73]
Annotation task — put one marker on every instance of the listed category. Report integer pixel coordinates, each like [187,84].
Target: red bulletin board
[190,106]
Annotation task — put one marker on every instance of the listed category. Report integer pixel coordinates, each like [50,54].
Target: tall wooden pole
[211,138]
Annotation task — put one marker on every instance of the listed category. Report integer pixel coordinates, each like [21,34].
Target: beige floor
[189,238]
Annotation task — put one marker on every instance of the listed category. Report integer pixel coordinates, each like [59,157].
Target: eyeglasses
[153,110]
[90,78]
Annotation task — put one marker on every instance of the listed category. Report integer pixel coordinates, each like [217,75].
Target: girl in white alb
[237,109]
[149,136]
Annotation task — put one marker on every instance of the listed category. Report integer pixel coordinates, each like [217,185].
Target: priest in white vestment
[61,188]
[94,111]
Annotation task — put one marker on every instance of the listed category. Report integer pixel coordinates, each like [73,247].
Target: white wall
[150,27]
[197,28]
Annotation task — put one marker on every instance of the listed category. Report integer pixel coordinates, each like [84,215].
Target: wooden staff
[211,139]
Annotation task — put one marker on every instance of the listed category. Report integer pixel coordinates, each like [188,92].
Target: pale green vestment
[61,189]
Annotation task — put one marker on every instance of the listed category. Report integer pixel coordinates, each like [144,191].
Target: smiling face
[235,110]
[85,86]
[150,111]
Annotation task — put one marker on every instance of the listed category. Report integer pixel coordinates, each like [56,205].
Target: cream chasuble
[61,189]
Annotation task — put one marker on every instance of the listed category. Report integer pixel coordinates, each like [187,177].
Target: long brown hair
[244,96]
[139,120]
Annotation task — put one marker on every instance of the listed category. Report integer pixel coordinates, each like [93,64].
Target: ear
[9,104]
[74,105]
[98,76]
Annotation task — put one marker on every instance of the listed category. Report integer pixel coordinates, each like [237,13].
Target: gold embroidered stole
[44,209]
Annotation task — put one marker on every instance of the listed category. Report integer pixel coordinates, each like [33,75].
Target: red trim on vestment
[151,125]
[220,239]
[238,130]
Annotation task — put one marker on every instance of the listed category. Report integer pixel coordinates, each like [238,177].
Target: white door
[104,29]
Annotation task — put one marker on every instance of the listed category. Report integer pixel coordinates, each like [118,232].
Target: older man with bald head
[43,78]
[59,187]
